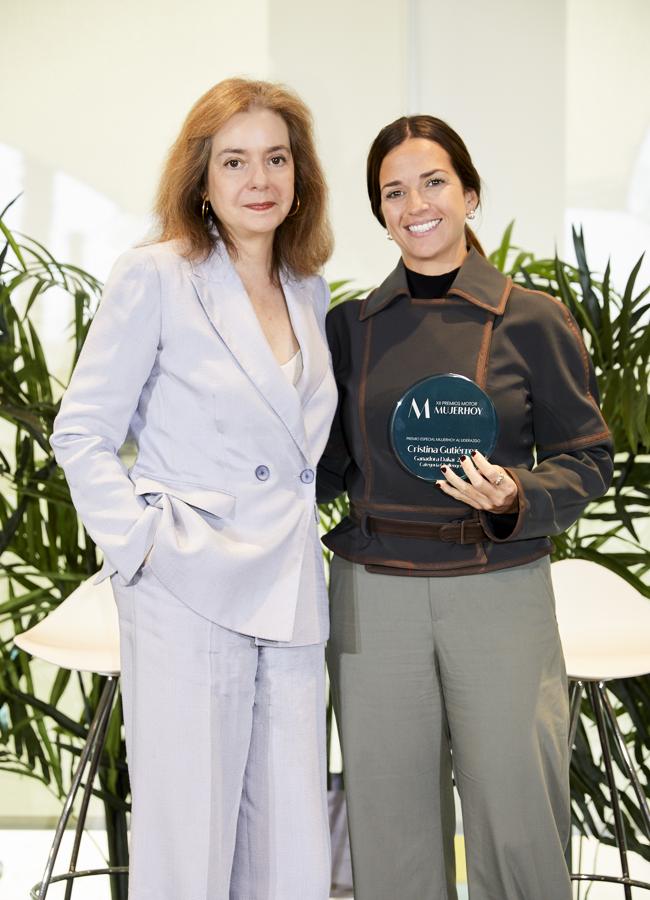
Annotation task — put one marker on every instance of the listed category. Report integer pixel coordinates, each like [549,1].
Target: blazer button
[307,476]
[262,473]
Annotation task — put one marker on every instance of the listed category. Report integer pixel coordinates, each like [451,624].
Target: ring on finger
[499,479]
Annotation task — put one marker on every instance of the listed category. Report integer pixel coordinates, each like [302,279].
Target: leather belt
[461,531]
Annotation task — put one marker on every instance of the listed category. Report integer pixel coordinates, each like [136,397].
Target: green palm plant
[615,329]
[45,551]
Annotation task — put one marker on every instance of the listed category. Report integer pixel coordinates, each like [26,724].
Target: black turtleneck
[429,287]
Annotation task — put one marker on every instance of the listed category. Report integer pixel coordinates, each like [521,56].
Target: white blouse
[293,368]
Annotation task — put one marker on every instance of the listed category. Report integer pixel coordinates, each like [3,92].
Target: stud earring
[388,237]
[471,214]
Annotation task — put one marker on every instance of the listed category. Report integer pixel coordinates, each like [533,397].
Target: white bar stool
[605,631]
[81,634]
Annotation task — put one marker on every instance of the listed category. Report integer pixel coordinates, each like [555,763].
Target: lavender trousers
[226,752]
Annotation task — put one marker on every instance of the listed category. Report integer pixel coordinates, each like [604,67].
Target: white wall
[608,97]
[608,132]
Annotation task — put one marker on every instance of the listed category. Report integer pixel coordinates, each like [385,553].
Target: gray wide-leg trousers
[475,661]
[226,752]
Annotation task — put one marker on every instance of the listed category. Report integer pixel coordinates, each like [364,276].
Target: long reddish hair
[303,242]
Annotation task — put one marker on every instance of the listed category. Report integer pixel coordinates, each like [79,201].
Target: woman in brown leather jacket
[444,641]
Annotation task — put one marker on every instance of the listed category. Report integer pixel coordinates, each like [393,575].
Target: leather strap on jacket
[462,531]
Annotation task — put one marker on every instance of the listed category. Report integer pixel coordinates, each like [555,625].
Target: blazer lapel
[228,307]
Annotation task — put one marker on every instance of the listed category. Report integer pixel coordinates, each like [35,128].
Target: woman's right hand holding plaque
[487,487]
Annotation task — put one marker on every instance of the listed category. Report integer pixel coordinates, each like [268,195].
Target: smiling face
[424,206]
[250,179]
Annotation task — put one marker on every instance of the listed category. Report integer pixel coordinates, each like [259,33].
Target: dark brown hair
[431,129]
[303,242]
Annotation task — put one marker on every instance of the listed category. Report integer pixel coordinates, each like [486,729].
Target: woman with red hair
[209,347]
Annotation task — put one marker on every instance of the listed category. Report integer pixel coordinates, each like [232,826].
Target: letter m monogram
[418,412]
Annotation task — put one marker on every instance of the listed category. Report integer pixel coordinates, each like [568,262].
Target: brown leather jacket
[525,349]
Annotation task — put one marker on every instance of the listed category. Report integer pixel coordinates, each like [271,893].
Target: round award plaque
[437,420]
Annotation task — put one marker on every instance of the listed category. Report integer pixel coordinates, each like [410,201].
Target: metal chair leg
[619,827]
[606,717]
[90,780]
[628,765]
[574,711]
[93,746]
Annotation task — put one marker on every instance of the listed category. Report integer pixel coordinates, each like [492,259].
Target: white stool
[605,630]
[82,634]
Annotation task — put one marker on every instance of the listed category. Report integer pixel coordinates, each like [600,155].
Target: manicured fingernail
[472,452]
[443,468]
[462,457]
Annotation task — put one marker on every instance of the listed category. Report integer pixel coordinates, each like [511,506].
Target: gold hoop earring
[388,237]
[205,212]
[291,214]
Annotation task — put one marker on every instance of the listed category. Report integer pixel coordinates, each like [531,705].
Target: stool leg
[574,714]
[111,688]
[619,828]
[94,732]
[628,765]
[575,702]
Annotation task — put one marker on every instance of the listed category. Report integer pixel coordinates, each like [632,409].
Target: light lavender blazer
[223,488]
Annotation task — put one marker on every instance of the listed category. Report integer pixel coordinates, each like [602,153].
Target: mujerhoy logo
[445,408]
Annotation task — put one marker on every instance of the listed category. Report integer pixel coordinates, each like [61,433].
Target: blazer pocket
[216,502]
